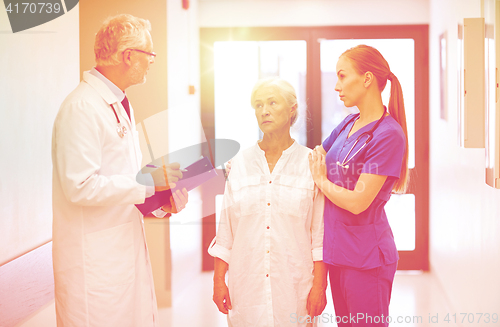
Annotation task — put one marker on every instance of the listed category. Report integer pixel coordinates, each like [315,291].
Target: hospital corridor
[78,177]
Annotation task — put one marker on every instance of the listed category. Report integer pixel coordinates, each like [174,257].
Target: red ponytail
[397,111]
[365,58]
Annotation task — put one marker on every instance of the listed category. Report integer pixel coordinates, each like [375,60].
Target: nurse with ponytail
[357,167]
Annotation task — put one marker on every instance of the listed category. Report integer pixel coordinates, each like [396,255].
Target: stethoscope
[120,129]
[346,160]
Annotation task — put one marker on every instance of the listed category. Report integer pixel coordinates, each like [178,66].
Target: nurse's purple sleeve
[384,154]
[223,242]
[317,225]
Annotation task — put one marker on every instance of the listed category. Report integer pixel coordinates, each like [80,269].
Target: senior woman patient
[270,235]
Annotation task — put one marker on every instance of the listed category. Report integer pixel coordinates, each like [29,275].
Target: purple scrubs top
[362,241]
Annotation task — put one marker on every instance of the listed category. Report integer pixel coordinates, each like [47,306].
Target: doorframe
[417,259]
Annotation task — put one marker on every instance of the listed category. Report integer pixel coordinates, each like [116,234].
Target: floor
[417,301]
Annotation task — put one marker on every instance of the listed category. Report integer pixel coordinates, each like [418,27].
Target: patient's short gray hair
[283,87]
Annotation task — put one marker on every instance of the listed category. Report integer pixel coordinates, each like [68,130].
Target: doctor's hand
[166,176]
[317,166]
[178,201]
[316,301]
[221,296]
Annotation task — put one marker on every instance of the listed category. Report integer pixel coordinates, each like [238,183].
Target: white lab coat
[102,271]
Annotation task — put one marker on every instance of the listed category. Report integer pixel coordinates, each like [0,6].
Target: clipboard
[196,174]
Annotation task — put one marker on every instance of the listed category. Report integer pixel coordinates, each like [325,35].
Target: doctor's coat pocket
[109,256]
[296,194]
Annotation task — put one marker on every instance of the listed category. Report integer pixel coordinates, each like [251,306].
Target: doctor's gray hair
[117,34]
[284,88]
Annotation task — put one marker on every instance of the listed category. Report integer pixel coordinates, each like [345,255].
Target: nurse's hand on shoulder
[319,148]
[317,165]
[228,168]
[178,201]
[221,296]
[316,301]
[166,176]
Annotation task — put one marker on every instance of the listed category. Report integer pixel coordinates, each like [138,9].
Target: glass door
[232,59]
[406,49]
[237,66]
[400,54]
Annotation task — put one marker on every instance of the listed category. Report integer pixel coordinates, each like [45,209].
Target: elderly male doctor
[102,271]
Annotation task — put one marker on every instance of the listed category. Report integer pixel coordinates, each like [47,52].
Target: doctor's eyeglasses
[152,55]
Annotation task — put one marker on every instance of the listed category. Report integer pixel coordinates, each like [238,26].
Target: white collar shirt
[270,233]
[120,95]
